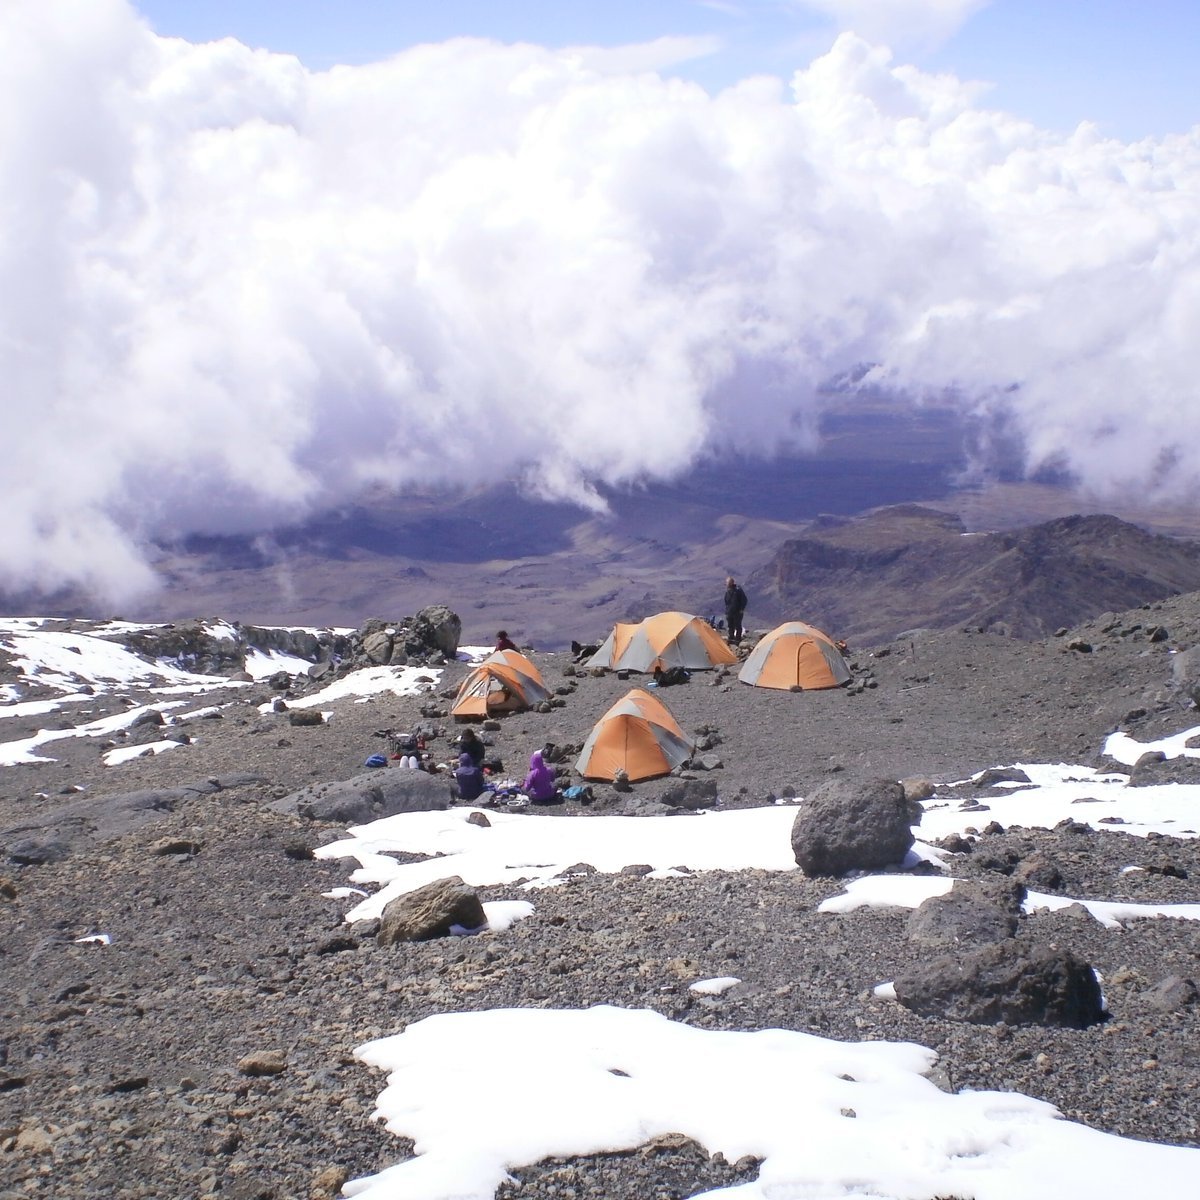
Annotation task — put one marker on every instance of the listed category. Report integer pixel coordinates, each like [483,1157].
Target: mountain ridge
[872,578]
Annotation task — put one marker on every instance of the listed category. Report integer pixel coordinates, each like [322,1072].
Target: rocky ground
[207,1051]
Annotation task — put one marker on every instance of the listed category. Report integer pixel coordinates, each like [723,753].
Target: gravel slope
[119,1065]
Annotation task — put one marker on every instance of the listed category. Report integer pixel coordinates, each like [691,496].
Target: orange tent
[503,682]
[668,639]
[795,655]
[637,735]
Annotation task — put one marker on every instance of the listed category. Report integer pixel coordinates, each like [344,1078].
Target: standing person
[735,609]
[540,783]
[503,642]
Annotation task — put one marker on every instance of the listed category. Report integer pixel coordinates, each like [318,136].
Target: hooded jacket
[468,778]
[539,783]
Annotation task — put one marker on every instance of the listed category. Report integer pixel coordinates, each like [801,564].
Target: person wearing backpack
[735,609]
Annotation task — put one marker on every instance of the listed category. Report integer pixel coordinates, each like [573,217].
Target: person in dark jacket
[470,743]
[735,609]
[540,783]
[504,642]
[468,779]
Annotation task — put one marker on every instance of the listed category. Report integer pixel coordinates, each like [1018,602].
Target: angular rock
[970,914]
[1173,993]
[1004,983]
[305,716]
[916,790]
[852,826]
[431,911]
[377,646]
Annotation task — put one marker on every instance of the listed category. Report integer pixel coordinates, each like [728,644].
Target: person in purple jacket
[539,784]
[468,778]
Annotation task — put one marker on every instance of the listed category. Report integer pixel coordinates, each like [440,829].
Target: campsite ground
[119,1066]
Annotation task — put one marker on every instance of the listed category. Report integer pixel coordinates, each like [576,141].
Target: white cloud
[234,291]
[905,25]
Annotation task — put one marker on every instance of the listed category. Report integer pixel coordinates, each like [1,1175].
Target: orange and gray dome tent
[504,682]
[795,655]
[667,639]
[637,735]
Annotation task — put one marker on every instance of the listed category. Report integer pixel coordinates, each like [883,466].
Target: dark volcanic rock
[970,914]
[852,826]
[1004,983]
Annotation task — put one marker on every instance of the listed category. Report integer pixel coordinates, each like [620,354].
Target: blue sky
[1127,67]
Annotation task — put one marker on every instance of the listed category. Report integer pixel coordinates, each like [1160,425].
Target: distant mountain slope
[869,579]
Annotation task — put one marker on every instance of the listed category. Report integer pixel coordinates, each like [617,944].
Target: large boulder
[853,826]
[970,914]
[431,911]
[368,797]
[1004,983]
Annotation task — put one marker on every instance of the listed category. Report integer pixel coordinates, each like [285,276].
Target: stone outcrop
[217,648]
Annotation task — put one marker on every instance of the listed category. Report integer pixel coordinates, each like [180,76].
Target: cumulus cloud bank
[235,291]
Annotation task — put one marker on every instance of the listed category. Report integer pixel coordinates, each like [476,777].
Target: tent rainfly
[795,655]
[503,682]
[668,639]
[637,735]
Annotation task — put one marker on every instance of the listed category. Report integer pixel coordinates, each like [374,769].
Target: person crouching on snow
[540,784]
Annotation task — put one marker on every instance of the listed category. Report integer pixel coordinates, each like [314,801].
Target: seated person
[503,642]
[468,779]
[541,783]
[469,743]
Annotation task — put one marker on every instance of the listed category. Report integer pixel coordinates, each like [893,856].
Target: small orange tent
[503,682]
[795,655]
[668,639]
[637,735]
